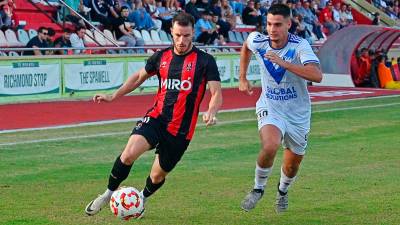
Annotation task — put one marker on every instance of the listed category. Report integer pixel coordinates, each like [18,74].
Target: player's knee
[127,158]
[156,177]
[270,148]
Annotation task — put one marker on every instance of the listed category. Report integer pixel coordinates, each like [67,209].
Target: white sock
[108,193]
[261,177]
[285,182]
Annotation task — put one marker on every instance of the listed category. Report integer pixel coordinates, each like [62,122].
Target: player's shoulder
[292,38]
[257,37]
[162,51]
[296,40]
[159,53]
[203,54]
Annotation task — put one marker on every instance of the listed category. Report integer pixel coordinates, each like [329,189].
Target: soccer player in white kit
[284,108]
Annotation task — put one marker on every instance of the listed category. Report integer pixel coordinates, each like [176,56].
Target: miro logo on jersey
[176,84]
[277,72]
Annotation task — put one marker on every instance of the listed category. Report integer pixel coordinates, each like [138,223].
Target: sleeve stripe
[311,61]
[260,41]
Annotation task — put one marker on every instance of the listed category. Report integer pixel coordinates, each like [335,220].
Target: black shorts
[169,148]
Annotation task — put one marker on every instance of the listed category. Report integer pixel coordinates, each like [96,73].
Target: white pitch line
[200,125]
[356,107]
[106,134]
[103,122]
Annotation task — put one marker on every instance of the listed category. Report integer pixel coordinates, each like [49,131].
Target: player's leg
[290,166]
[295,143]
[155,180]
[135,147]
[270,136]
[169,152]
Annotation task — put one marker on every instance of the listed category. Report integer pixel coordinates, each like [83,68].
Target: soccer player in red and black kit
[183,72]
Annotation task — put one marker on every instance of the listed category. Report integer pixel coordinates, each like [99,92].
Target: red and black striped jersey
[182,84]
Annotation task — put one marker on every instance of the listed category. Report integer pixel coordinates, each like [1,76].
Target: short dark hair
[183,19]
[41,29]
[124,7]
[280,9]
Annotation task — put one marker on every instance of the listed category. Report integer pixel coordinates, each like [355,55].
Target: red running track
[44,114]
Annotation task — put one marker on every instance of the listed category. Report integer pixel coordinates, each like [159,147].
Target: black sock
[150,187]
[118,174]
[259,191]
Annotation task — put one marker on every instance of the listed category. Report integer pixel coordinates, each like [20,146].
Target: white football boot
[97,204]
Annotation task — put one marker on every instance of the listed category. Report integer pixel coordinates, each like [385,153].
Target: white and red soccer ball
[127,203]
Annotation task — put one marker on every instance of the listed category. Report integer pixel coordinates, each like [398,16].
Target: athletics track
[59,113]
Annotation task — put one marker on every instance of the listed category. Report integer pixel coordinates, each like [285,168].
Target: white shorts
[293,137]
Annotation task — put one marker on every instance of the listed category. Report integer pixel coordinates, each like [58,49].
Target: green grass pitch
[350,174]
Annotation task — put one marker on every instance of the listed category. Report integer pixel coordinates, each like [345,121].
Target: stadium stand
[30,15]
[232,37]
[245,35]
[164,37]
[147,38]
[99,38]
[23,36]
[3,40]
[364,11]
[32,33]
[13,53]
[155,37]
[89,39]
[12,39]
[137,34]
[169,37]
[110,35]
[239,37]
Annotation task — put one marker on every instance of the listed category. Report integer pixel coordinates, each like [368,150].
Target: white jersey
[284,94]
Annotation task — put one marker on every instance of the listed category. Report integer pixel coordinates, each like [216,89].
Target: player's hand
[209,119]
[245,86]
[98,98]
[274,58]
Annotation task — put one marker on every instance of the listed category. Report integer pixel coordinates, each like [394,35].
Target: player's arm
[309,71]
[245,56]
[214,104]
[130,85]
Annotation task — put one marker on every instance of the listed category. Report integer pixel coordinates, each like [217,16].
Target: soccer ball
[127,203]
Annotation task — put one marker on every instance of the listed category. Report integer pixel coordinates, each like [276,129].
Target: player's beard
[181,50]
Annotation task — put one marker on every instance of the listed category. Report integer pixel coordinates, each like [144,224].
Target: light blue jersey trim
[310,61]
